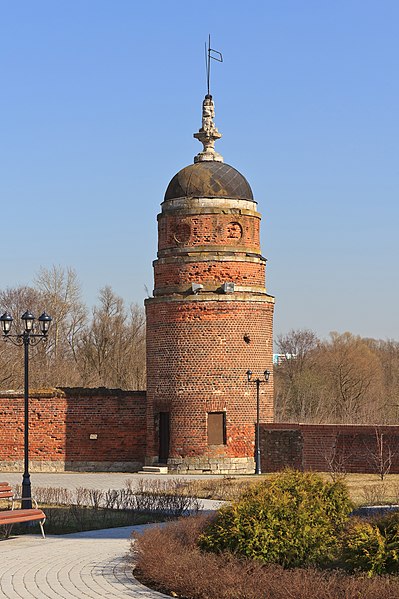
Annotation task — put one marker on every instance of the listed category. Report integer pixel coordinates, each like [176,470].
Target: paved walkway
[93,480]
[88,565]
[76,566]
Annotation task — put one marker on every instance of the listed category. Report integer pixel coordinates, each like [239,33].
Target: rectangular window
[216,428]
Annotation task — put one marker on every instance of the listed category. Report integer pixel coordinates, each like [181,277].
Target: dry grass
[227,488]
[363,488]
[167,559]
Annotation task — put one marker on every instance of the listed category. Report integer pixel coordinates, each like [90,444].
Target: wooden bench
[16,516]
[6,491]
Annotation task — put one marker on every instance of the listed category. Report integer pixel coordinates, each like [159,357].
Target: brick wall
[197,355]
[61,422]
[321,447]
[213,271]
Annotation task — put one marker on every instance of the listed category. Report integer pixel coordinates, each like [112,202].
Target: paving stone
[70,567]
[88,565]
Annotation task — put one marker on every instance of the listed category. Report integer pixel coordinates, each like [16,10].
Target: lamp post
[27,338]
[257,382]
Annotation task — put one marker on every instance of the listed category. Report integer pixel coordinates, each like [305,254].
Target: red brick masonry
[75,427]
[197,358]
[322,447]
[63,420]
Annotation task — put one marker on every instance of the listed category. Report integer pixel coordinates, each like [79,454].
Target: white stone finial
[208,133]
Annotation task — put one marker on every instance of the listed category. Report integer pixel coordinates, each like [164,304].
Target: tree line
[343,379]
[103,348]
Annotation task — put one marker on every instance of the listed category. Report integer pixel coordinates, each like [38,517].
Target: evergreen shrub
[372,546]
[364,548]
[294,519]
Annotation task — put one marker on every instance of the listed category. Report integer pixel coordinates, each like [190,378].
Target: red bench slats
[21,516]
[5,491]
[10,517]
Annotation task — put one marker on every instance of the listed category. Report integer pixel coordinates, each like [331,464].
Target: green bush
[389,528]
[364,548]
[372,547]
[295,519]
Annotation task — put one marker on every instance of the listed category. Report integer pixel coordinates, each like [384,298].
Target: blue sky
[98,105]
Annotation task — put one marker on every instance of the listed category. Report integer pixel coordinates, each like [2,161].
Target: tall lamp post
[257,382]
[27,338]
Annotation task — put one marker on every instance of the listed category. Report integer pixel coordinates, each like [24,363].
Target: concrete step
[156,469]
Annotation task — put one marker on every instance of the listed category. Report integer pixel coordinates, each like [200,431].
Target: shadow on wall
[329,447]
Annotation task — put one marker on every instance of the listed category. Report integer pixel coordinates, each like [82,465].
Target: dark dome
[209,179]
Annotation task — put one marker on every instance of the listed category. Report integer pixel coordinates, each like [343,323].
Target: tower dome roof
[209,179]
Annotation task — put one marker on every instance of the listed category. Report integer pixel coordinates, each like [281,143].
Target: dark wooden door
[164,437]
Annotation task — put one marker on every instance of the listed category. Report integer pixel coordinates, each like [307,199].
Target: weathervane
[208,133]
[208,55]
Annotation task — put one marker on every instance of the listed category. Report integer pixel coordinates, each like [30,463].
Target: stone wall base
[66,466]
[205,465]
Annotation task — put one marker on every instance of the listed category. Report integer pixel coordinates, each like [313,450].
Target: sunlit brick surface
[200,343]
[84,429]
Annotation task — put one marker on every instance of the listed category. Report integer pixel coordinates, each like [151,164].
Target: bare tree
[112,349]
[108,351]
[61,292]
[296,379]
[388,353]
[353,374]
[342,379]
[16,301]
[337,458]
[297,347]
[381,456]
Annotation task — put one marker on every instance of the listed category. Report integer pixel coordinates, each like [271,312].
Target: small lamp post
[258,382]
[27,338]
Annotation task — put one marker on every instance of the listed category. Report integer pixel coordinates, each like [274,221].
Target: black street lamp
[27,338]
[257,382]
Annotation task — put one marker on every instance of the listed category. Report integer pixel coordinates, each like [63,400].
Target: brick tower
[210,319]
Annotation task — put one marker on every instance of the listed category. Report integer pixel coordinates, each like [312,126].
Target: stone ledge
[187,291]
[71,392]
[209,204]
[260,298]
[208,465]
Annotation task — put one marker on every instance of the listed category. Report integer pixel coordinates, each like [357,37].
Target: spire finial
[208,133]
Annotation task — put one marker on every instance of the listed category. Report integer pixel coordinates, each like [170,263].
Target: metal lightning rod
[215,55]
